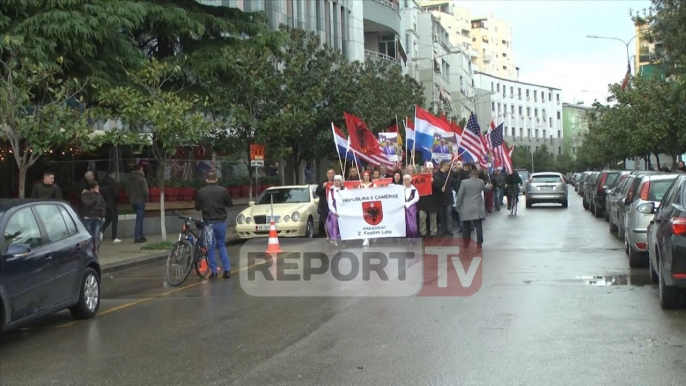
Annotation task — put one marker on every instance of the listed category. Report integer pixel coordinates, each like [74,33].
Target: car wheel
[585,204]
[598,213]
[613,228]
[565,204]
[607,215]
[669,296]
[309,228]
[651,270]
[529,203]
[626,244]
[621,233]
[89,296]
[636,259]
[592,208]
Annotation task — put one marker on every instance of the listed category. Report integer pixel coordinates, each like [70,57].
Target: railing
[379,56]
[391,4]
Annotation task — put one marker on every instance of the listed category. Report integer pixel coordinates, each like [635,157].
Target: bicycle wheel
[516,202]
[179,263]
[202,265]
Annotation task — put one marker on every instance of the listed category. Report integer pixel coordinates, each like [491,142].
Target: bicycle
[512,201]
[189,252]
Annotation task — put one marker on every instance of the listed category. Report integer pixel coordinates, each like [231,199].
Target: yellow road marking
[143,300]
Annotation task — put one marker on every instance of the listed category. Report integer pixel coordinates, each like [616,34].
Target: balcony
[487,58]
[373,55]
[382,16]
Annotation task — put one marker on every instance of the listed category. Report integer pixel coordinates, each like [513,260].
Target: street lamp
[433,73]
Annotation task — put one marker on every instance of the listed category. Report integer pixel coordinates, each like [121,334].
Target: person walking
[109,193]
[93,211]
[81,187]
[323,206]
[442,194]
[427,206]
[411,200]
[212,200]
[47,189]
[499,188]
[470,202]
[137,190]
[332,219]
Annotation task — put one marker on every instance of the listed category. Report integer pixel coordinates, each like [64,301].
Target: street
[558,305]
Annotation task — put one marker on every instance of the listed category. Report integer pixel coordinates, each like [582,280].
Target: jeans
[498,197]
[445,217]
[219,229]
[467,226]
[93,226]
[112,217]
[422,223]
[139,209]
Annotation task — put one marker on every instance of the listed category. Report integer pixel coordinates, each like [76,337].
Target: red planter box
[171,198]
[245,190]
[155,194]
[234,191]
[172,192]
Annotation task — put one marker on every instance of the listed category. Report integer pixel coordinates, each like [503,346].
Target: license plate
[262,227]
[546,188]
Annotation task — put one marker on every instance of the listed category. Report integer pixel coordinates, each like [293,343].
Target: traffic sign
[256,152]
[256,163]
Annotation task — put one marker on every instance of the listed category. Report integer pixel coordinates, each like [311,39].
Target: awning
[400,50]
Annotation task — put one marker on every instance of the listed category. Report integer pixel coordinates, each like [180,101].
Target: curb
[152,257]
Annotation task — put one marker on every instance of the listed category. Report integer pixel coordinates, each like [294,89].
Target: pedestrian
[442,187]
[397,177]
[332,219]
[213,200]
[470,202]
[137,190]
[47,189]
[427,206]
[275,169]
[82,186]
[411,169]
[109,192]
[376,174]
[383,172]
[323,206]
[411,200]
[498,186]
[681,166]
[488,194]
[93,211]
[353,174]
[366,183]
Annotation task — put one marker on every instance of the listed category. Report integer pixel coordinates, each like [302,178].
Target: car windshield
[284,196]
[658,189]
[545,178]
[611,177]
[524,175]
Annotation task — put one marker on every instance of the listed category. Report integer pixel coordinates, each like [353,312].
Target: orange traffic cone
[273,246]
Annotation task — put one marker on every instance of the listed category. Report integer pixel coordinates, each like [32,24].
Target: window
[387,45]
[520,93]
[512,91]
[505,68]
[504,54]
[544,133]
[536,148]
[528,111]
[498,108]
[513,131]
[559,150]
[557,96]
[492,87]
[71,226]
[512,109]
[558,115]
[498,87]
[492,106]
[536,133]
[527,93]
[520,111]
[528,131]
[542,96]
[536,113]
[559,134]
[521,132]
[550,97]
[543,112]
[536,95]
[22,228]
[504,92]
[54,223]
[550,122]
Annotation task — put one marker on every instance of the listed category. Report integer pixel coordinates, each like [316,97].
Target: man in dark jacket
[47,189]
[93,211]
[323,206]
[213,200]
[137,190]
[442,186]
[109,192]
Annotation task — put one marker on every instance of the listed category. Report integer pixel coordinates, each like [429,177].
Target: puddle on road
[615,280]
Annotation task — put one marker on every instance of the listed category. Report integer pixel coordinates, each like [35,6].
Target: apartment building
[574,127]
[434,64]
[492,39]
[645,52]
[531,114]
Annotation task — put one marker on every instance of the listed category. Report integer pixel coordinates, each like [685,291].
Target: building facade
[434,64]
[531,114]
[574,127]
[492,40]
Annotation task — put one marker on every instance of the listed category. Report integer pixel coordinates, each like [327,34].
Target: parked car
[525,175]
[597,200]
[629,197]
[609,194]
[546,187]
[589,185]
[617,197]
[295,213]
[667,242]
[651,188]
[580,185]
[47,263]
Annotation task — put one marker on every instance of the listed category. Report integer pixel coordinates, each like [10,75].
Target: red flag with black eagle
[361,138]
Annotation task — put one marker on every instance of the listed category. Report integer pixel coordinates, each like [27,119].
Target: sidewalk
[125,254]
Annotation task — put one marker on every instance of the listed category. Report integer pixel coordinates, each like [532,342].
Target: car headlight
[248,220]
[240,219]
[287,218]
[295,216]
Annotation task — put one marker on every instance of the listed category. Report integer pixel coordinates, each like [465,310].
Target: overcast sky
[550,44]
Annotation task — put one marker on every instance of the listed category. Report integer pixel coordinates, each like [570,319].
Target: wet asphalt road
[540,318]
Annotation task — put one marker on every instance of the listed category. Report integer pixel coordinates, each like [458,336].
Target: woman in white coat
[332,219]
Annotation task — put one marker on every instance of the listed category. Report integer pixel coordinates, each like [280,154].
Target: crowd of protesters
[461,196]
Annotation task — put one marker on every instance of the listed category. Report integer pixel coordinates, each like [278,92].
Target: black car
[667,243]
[47,263]
[598,193]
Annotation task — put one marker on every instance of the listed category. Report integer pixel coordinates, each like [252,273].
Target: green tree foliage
[161,119]
[521,158]
[544,161]
[39,111]
[666,22]
[564,163]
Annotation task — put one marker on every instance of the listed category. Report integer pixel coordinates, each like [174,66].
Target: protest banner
[371,213]
[423,183]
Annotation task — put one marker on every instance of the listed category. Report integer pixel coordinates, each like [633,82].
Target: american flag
[471,140]
[499,151]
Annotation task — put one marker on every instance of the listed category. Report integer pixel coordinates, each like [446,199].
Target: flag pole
[359,175]
[397,128]
[407,154]
[333,132]
[414,143]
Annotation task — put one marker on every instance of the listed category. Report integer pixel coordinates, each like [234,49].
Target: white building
[531,114]
[409,19]
[434,63]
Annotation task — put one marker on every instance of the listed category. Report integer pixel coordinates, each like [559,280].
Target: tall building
[492,39]
[409,20]
[434,64]
[382,30]
[574,127]
[531,114]
[340,24]
[645,52]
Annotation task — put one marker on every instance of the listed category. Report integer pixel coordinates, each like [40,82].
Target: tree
[162,119]
[38,110]
[544,161]
[564,163]
[521,158]
[666,22]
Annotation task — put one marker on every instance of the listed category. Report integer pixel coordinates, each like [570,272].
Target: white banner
[371,213]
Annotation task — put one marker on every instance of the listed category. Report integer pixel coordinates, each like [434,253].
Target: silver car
[547,187]
[651,189]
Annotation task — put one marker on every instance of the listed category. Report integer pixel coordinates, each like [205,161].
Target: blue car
[47,263]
